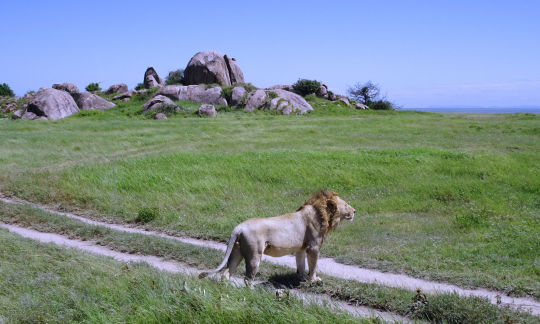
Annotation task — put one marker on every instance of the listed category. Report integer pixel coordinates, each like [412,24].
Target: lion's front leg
[301,263]
[312,256]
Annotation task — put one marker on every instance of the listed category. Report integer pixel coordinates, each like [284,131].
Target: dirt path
[326,266]
[177,267]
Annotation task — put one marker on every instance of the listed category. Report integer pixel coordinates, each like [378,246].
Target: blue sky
[422,53]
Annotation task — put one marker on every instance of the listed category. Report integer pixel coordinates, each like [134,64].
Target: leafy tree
[175,77]
[5,90]
[93,87]
[304,87]
[139,86]
[365,93]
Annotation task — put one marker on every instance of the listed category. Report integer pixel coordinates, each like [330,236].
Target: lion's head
[330,209]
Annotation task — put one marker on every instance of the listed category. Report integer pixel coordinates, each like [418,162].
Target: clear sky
[422,53]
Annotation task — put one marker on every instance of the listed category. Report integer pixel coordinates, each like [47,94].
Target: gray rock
[287,102]
[287,87]
[68,87]
[125,95]
[237,94]
[53,104]
[323,91]
[209,67]
[207,110]
[196,93]
[344,99]
[91,101]
[42,118]
[358,105]
[157,101]
[331,96]
[9,108]
[29,116]
[151,79]
[235,74]
[17,115]
[284,101]
[160,116]
[117,88]
[255,99]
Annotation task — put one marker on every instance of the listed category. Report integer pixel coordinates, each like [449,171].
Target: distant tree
[175,77]
[93,87]
[139,86]
[304,87]
[365,93]
[5,90]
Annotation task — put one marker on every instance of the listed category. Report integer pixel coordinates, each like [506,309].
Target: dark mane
[325,211]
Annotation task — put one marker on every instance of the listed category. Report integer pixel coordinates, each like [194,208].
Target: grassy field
[442,308]
[44,283]
[441,196]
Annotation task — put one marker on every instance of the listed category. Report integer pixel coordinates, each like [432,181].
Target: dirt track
[177,267]
[326,266]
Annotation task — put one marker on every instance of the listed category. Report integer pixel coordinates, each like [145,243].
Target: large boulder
[283,101]
[211,67]
[196,93]
[52,103]
[344,100]
[156,102]
[91,101]
[207,110]
[151,79]
[17,114]
[117,88]
[323,91]
[124,95]
[237,94]
[68,87]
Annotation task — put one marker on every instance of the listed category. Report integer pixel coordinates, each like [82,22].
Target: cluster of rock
[203,70]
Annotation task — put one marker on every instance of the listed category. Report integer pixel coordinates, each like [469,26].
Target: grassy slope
[44,283]
[450,197]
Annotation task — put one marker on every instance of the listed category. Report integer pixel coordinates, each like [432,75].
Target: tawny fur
[301,233]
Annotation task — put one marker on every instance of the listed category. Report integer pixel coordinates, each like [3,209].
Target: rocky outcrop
[237,94]
[31,116]
[196,93]
[68,87]
[125,95]
[117,88]
[283,101]
[91,101]
[151,79]
[156,102]
[9,108]
[323,91]
[52,103]
[207,110]
[287,87]
[209,67]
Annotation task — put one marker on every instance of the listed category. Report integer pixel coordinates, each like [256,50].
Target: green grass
[450,197]
[447,308]
[44,283]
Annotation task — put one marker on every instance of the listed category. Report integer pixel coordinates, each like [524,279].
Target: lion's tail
[230,245]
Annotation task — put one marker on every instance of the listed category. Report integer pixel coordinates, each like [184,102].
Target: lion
[302,233]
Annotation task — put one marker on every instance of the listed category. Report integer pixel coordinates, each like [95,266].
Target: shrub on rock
[304,87]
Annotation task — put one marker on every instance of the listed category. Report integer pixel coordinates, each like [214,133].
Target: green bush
[139,86]
[226,92]
[146,215]
[5,90]
[93,87]
[381,105]
[304,87]
[175,77]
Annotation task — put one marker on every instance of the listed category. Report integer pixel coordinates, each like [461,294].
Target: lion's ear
[332,206]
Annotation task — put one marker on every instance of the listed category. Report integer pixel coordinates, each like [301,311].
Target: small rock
[68,87]
[323,91]
[208,110]
[237,94]
[151,79]
[17,115]
[117,88]
[91,101]
[9,108]
[160,116]
[358,105]
[157,101]
[29,116]
[331,96]
[124,95]
[344,99]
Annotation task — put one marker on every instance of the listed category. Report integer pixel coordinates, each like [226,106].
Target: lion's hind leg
[234,261]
